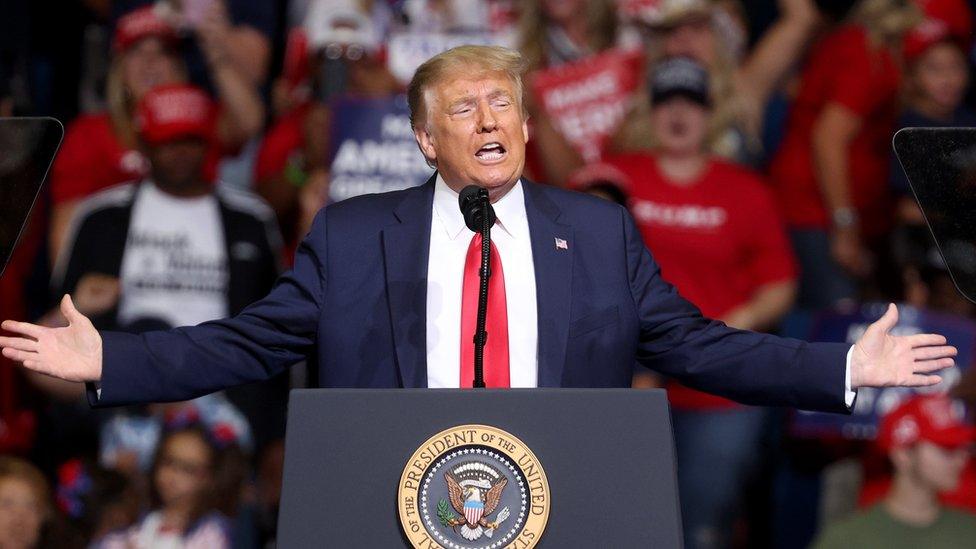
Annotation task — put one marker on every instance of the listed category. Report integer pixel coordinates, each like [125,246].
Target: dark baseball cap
[679,77]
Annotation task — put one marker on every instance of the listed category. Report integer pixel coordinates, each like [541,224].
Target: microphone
[479,216]
[474,202]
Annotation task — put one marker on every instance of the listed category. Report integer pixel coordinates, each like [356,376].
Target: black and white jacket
[96,241]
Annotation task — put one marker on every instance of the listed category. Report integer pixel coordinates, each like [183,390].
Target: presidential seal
[473,487]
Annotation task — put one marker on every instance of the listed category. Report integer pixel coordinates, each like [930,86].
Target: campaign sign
[373,148]
[871,403]
[407,51]
[587,100]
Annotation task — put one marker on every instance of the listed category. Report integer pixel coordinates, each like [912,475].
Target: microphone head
[473,201]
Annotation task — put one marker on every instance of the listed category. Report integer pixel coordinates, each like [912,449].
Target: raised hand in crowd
[247,49]
[849,252]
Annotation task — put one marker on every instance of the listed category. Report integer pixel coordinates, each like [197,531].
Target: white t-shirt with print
[175,263]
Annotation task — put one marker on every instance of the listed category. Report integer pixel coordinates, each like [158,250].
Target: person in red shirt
[744,79]
[831,171]
[339,55]
[713,227]
[100,149]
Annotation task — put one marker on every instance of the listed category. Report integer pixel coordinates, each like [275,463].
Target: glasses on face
[350,52]
[183,466]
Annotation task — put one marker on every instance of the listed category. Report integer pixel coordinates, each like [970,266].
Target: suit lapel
[406,247]
[552,256]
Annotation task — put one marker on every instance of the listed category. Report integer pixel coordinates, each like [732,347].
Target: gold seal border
[408,490]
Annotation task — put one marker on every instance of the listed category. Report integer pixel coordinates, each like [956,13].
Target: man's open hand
[880,359]
[73,353]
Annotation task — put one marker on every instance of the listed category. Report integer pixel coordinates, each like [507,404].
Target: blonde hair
[120,102]
[602,18]
[462,60]
[727,109]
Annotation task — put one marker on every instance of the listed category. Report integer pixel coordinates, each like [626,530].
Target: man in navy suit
[381,285]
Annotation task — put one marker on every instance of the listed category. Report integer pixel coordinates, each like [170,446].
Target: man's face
[680,126]
[475,132]
[933,466]
[177,166]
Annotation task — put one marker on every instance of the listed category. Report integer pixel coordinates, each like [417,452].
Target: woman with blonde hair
[713,33]
[831,171]
[553,33]
[100,149]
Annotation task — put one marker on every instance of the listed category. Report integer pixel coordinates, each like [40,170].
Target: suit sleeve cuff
[93,390]
[849,394]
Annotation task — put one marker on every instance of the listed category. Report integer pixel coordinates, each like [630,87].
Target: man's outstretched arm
[763,369]
[183,363]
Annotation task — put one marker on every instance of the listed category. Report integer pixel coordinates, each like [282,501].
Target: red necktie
[496,323]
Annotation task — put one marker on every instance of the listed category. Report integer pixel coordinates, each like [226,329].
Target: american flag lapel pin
[561,244]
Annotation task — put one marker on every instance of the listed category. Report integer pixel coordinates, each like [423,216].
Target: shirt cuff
[849,394]
[93,390]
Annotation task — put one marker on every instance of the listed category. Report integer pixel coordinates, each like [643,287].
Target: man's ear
[525,129]
[426,143]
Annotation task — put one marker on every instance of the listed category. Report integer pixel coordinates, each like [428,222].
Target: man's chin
[499,189]
[497,184]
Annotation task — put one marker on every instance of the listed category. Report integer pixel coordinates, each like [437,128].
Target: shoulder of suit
[367,206]
[245,202]
[575,202]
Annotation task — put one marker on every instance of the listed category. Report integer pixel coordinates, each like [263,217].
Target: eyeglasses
[351,52]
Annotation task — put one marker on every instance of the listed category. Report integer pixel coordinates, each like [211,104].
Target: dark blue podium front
[608,455]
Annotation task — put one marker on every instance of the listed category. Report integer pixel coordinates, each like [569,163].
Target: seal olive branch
[446,517]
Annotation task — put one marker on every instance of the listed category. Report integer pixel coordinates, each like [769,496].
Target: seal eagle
[475,505]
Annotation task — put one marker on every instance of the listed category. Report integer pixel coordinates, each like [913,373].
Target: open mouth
[490,152]
[678,128]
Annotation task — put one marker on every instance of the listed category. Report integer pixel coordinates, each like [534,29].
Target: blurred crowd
[751,141]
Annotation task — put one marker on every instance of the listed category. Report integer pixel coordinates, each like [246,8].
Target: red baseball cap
[934,418]
[142,23]
[174,111]
[945,21]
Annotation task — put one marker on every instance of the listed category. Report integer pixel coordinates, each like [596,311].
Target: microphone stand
[480,334]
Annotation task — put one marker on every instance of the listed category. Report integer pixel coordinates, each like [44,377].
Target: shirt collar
[509,210]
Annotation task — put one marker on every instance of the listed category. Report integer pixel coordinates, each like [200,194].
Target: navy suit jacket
[355,302]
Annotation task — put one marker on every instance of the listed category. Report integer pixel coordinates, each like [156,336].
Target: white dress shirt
[449,241]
